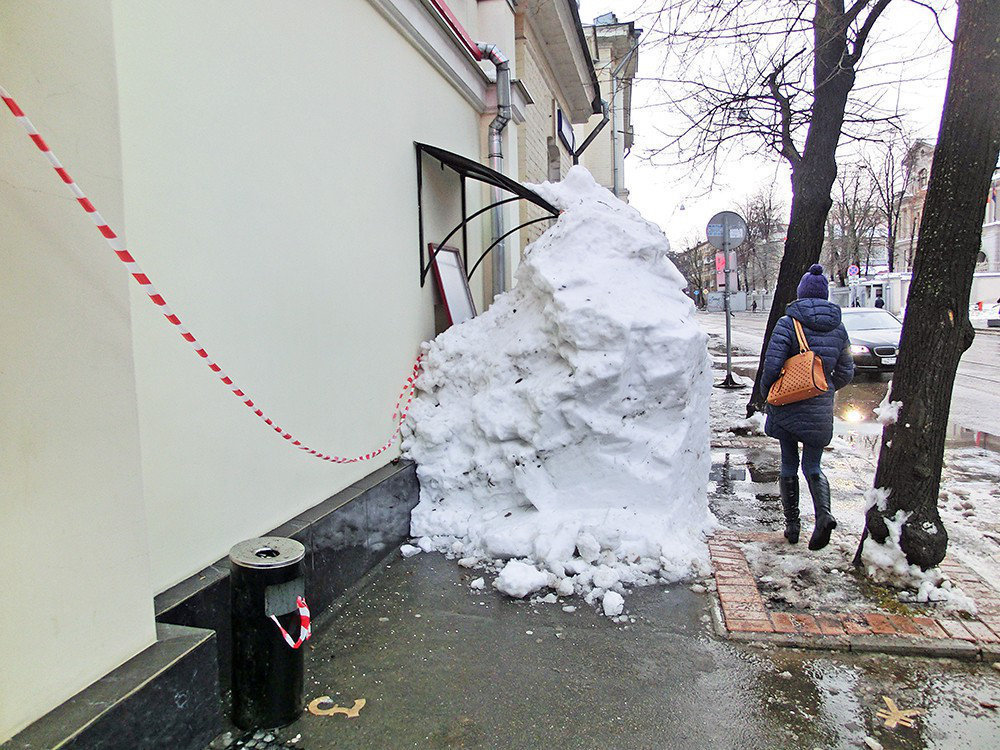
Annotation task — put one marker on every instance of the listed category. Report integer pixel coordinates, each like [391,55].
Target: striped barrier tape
[305,628]
[157,299]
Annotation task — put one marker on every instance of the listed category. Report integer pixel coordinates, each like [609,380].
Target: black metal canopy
[466,168]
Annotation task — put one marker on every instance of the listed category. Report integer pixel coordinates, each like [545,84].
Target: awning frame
[466,168]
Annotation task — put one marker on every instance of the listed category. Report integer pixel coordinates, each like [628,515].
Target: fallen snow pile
[566,429]
[887,562]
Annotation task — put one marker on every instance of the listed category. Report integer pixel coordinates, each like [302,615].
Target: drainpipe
[492,53]
[593,133]
[614,108]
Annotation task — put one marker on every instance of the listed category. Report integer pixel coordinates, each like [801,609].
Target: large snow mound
[567,427]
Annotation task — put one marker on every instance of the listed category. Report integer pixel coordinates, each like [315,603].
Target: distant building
[613,47]
[918,166]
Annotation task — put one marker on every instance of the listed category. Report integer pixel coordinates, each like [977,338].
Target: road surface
[975,403]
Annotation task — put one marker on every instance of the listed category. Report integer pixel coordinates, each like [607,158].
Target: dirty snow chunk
[469,562]
[754,425]
[568,424]
[569,608]
[877,496]
[887,562]
[408,550]
[613,603]
[587,547]
[518,579]
[605,577]
[887,412]
[873,744]
[425,544]
[785,675]
[698,588]
[549,599]
[478,585]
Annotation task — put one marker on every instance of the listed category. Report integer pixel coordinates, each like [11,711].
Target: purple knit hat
[814,284]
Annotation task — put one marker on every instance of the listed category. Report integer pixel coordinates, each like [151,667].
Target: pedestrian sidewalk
[742,614]
[767,591]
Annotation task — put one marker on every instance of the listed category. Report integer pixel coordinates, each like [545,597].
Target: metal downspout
[499,261]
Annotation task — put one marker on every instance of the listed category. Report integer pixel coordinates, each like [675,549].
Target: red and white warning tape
[147,286]
[305,629]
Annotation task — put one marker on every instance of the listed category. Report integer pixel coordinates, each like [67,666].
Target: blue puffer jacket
[810,421]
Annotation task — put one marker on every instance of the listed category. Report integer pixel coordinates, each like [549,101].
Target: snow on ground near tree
[794,578]
[566,429]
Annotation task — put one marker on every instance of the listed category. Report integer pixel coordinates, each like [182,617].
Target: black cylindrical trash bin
[267,579]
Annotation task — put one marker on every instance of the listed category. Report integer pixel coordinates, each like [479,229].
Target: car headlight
[858,349]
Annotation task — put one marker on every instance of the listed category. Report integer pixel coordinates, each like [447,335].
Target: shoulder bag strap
[803,344]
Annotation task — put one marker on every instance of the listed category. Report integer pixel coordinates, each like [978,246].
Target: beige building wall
[75,595]
[273,200]
[246,152]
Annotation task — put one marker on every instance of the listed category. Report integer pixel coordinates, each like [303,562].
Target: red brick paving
[955,629]
[745,611]
[904,624]
[829,625]
[782,623]
[806,624]
[880,624]
[929,628]
[981,632]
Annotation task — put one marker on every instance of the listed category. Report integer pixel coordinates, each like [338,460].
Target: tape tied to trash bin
[305,629]
[126,257]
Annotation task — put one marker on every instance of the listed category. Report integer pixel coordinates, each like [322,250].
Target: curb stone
[938,647]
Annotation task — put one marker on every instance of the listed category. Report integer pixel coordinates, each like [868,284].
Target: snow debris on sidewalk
[566,429]
[752,426]
[887,562]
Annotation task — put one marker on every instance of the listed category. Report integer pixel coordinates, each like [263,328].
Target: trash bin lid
[267,552]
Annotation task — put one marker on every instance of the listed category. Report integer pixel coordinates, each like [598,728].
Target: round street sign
[726,230]
[853,270]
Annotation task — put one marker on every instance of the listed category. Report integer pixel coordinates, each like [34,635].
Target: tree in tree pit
[770,71]
[936,329]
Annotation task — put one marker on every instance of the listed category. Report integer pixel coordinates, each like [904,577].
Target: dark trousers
[811,457]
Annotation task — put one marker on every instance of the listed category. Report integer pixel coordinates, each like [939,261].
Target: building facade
[557,76]
[258,160]
[613,47]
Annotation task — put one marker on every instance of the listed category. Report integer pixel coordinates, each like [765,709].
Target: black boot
[789,487]
[825,522]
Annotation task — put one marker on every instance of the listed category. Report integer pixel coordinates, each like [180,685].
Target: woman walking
[809,422]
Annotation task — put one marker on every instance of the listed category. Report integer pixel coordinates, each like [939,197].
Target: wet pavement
[443,666]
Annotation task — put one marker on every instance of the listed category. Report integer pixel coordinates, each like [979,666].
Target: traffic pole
[729,382]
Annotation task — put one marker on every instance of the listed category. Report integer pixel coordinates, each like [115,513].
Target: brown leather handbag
[801,377]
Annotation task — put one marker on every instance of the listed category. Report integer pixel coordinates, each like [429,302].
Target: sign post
[726,231]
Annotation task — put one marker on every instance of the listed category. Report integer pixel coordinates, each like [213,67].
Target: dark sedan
[874,338]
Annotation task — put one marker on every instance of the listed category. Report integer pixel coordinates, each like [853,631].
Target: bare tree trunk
[814,172]
[936,329]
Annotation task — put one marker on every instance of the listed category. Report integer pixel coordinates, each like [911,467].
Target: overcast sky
[660,192]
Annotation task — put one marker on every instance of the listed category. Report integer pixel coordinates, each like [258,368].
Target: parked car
[874,338]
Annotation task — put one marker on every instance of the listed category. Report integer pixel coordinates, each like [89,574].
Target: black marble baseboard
[344,536]
[167,696]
